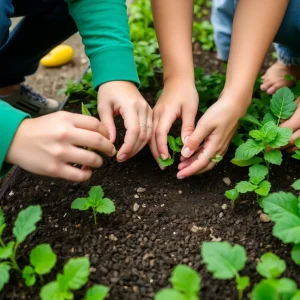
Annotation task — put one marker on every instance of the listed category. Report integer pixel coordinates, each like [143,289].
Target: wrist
[180,79]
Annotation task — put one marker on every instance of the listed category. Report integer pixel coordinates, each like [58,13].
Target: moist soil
[133,252]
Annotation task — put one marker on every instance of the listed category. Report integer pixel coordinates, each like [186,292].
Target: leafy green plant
[296,155]
[204,34]
[175,145]
[97,292]
[42,260]
[185,285]
[225,261]
[95,201]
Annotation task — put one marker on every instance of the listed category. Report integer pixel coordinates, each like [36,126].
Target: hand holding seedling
[123,98]
[49,144]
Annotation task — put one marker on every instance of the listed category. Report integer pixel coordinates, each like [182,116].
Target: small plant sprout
[84,110]
[175,145]
[42,260]
[217,159]
[95,201]
[296,155]
[225,261]
[185,285]
[97,292]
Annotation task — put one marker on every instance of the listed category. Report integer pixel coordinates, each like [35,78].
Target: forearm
[255,25]
[173,23]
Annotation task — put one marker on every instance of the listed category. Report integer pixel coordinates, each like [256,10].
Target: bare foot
[274,77]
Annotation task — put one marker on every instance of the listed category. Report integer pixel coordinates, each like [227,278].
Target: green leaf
[249,149]
[284,134]
[6,252]
[217,159]
[2,227]
[168,294]
[4,274]
[296,185]
[95,194]
[81,204]
[269,117]
[242,283]
[296,155]
[263,188]
[232,194]
[26,222]
[84,110]
[251,119]
[245,187]
[185,279]
[274,157]
[106,206]
[257,173]
[28,275]
[271,266]
[286,288]
[172,143]
[165,163]
[51,291]
[296,254]
[263,291]
[246,163]
[283,105]
[269,131]
[97,292]
[297,143]
[2,218]
[76,272]
[179,141]
[296,296]
[43,259]
[223,260]
[256,134]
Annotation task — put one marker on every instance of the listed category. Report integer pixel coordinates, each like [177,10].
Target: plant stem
[268,167]
[2,243]
[95,215]
[41,278]
[13,258]
[240,294]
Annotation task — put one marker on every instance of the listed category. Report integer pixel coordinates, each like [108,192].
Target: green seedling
[296,155]
[95,201]
[42,260]
[225,262]
[217,159]
[84,110]
[24,225]
[97,292]
[185,285]
[175,145]
[203,33]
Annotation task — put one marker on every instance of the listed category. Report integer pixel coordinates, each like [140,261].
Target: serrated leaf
[242,283]
[51,291]
[6,252]
[282,103]
[284,134]
[257,173]
[297,144]
[97,292]
[251,119]
[43,259]
[29,276]
[185,279]
[273,157]
[26,221]
[169,294]
[232,194]
[95,194]
[296,185]
[223,260]
[4,274]
[249,149]
[245,187]
[172,143]
[81,204]
[269,117]
[84,110]
[264,290]
[270,266]
[256,134]
[288,231]
[269,131]
[263,188]
[165,163]
[106,206]
[246,163]
[76,272]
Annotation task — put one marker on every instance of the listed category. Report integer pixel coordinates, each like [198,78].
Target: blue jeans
[286,42]
[46,24]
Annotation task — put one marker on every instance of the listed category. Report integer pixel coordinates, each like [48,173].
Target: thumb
[188,123]
[106,115]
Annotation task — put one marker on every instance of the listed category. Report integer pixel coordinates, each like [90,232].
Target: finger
[132,125]
[209,167]
[292,149]
[106,115]
[74,174]
[93,140]
[188,122]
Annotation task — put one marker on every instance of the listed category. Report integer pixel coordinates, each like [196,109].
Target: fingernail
[163,156]
[180,177]
[114,151]
[161,167]
[186,152]
[122,157]
[186,138]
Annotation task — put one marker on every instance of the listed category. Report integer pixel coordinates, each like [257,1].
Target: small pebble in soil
[141,190]
[112,237]
[224,206]
[221,215]
[264,218]
[136,207]
[196,228]
[11,193]
[136,196]
[180,192]
[227,180]
[143,205]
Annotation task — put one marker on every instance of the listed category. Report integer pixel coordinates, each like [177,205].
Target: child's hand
[216,129]
[179,99]
[123,98]
[49,145]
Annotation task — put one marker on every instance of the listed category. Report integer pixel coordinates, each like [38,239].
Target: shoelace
[26,90]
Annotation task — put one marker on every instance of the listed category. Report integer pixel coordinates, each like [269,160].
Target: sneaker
[27,100]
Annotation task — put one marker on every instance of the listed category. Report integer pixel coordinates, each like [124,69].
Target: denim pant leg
[46,24]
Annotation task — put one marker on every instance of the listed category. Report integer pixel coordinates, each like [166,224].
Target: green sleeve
[103,26]
[10,119]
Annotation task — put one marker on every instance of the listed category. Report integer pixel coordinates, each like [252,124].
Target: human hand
[48,145]
[123,98]
[215,129]
[179,99]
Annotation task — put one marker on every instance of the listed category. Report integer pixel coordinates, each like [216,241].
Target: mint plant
[97,292]
[42,259]
[225,261]
[175,145]
[95,201]
[185,285]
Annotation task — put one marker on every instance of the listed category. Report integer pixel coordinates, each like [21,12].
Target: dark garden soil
[133,252]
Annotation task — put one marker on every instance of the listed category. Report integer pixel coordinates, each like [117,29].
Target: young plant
[24,225]
[97,292]
[175,145]
[42,260]
[84,110]
[225,261]
[296,155]
[185,285]
[95,201]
